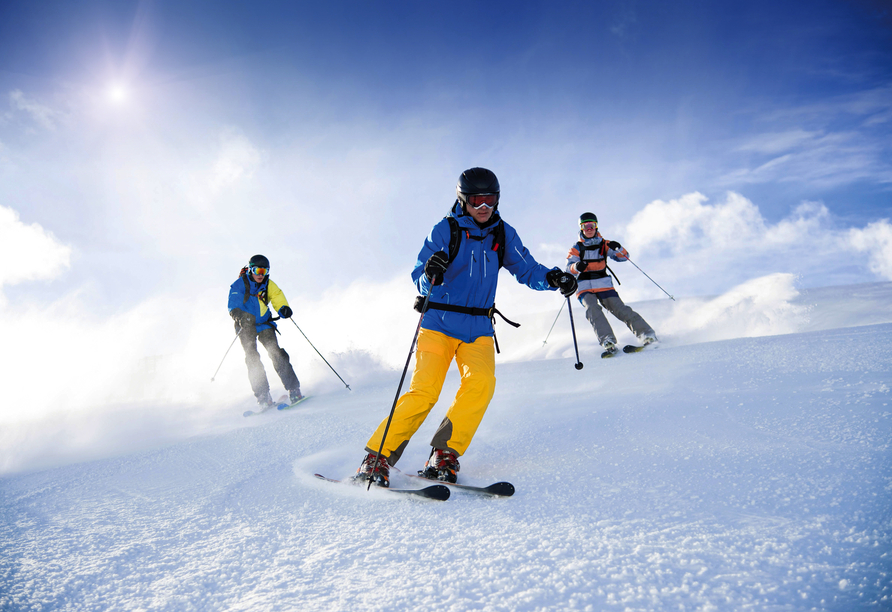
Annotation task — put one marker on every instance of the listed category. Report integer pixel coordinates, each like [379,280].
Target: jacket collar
[590,241]
[468,222]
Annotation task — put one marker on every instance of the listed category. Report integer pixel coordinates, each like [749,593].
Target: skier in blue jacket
[253,299]
[458,324]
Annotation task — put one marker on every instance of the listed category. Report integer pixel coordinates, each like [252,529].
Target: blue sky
[139,140]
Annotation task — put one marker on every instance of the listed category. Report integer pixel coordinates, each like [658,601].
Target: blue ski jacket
[472,277]
[259,296]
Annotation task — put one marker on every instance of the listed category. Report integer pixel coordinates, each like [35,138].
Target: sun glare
[117,93]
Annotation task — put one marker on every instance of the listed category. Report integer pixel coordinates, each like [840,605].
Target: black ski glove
[243,320]
[581,265]
[565,282]
[436,266]
[613,244]
[285,312]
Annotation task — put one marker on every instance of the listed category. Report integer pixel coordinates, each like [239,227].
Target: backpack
[455,234]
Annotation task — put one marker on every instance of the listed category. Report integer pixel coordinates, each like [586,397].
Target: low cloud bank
[79,384]
[692,247]
[29,251]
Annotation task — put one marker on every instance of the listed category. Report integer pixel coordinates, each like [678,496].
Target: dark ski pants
[595,315]
[281,362]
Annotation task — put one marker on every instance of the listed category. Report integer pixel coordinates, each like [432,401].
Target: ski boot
[609,349]
[379,474]
[265,402]
[649,339]
[295,395]
[441,465]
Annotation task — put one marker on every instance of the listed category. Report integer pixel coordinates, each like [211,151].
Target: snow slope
[713,473]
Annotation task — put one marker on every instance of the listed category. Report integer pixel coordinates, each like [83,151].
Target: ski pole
[650,279]
[544,342]
[402,378]
[224,357]
[320,354]
[573,329]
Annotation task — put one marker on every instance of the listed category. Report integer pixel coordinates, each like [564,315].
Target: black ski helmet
[477,181]
[260,261]
[588,217]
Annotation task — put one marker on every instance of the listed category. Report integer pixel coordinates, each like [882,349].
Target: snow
[742,465]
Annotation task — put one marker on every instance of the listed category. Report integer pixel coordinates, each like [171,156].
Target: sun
[117,93]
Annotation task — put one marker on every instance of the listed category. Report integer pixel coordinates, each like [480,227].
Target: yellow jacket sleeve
[276,297]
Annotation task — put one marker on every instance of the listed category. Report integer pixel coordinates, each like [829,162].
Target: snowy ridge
[745,473]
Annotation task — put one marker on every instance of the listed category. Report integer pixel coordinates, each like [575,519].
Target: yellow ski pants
[477,366]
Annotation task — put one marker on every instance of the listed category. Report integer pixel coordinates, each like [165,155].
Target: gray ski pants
[281,361]
[595,314]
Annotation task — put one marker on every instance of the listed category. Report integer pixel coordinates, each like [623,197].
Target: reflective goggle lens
[589,225]
[489,200]
[259,271]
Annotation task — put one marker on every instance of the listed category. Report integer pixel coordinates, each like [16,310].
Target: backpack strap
[454,238]
[499,243]
[244,276]
[580,248]
[455,233]
[261,290]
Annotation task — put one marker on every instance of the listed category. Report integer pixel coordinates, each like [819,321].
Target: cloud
[835,142]
[688,223]
[237,159]
[698,248]
[30,251]
[777,142]
[43,115]
[876,241]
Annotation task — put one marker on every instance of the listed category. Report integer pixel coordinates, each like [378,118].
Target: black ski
[609,353]
[496,489]
[437,492]
[631,348]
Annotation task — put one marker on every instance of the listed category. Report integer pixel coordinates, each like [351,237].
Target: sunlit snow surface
[749,473]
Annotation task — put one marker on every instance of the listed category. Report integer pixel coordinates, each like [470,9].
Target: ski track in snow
[746,474]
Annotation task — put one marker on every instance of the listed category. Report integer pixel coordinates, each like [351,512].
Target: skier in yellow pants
[476,362]
[458,266]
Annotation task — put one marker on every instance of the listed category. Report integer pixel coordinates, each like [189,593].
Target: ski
[631,348]
[249,413]
[436,492]
[282,403]
[496,489]
[609,353]
[286,405]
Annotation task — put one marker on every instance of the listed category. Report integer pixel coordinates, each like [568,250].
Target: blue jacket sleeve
[520,263]
[237,295]
[438,240]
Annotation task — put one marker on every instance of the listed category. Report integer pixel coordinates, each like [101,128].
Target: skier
[588,260]
[459,324]
[249,300]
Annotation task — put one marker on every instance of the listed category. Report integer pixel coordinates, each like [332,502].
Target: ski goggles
[589,225]
[481,200]
[259,271]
